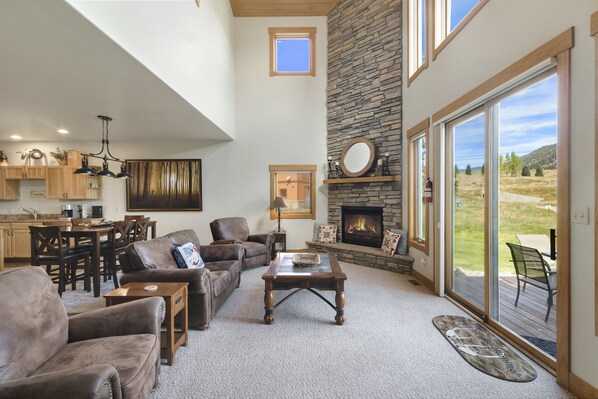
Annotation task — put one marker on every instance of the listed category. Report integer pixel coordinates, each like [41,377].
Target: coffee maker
[67,211]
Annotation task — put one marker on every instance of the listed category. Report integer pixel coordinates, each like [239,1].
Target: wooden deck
[527,319]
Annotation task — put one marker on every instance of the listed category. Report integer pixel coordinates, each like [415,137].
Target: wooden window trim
[304,32]
[446,40]
[550,49]
[410,47]
[417,130]
[594,32]
[312,190]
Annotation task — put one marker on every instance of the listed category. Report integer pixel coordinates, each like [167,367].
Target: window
[292,51]
[450,16]
[297,185]
[418,174]
[417,37]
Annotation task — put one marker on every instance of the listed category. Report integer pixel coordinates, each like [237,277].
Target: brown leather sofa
[257,247]
[112,352]
[209,287]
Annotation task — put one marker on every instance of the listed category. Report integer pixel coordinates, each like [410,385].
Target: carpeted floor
[388,348]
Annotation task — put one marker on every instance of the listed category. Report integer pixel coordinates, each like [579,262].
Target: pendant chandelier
[105,156]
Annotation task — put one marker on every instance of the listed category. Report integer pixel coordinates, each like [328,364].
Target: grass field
[514,217]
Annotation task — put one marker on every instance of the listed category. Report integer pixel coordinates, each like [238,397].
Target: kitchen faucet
[30,211]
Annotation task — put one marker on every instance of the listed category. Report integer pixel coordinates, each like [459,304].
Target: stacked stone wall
[364,98]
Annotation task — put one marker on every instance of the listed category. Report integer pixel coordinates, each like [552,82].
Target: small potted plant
[60,156]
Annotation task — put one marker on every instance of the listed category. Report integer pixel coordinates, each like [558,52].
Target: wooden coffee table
[283,275]
[175,295]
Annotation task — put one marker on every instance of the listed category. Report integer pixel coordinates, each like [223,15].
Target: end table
[175,295]
[280,238]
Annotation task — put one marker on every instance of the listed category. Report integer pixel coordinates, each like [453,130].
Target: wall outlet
[579,215]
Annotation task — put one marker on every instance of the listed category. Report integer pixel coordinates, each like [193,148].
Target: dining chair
[50,249]
[532,269]
[114,246]
[140,229]
[134,217]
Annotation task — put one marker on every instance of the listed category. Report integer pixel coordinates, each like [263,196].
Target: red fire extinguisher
[428,190]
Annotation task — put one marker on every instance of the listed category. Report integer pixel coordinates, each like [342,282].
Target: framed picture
[164,185]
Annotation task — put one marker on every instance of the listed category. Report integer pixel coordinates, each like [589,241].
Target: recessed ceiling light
[16,137]
[62,131]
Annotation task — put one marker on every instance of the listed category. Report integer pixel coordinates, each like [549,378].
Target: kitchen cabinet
[25,172]
[17,240]
[62,183]
[9,189]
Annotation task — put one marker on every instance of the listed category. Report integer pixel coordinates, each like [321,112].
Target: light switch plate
[579,215]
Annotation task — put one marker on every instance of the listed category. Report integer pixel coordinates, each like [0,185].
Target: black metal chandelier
[105,156]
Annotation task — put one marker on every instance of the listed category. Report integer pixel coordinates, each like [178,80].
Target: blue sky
[292,55]
[459,9]
[527,122]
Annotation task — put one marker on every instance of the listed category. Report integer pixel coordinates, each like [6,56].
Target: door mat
[483,350]
[543,344]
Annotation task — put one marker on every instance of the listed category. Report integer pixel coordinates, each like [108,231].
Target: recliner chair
[112,352]
[234,230]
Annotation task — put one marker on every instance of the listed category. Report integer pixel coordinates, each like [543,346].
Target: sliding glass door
[467,222]
[501,199]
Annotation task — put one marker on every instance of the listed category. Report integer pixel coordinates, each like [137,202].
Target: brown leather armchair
[257,247]
[111,352]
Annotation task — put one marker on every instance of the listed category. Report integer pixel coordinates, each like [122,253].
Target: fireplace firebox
[362,225]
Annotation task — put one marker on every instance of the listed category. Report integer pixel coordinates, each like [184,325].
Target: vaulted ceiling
[282,8]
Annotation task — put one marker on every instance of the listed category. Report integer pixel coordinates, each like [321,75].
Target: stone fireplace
[362,225]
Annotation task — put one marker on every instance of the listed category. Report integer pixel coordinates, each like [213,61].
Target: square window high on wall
[417,26]
[292,51]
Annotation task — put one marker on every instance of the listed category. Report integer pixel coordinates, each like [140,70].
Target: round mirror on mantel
[357,157]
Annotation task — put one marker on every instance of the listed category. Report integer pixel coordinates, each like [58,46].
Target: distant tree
[512,164]
[482,168]
[468,170]
[539,171]
[525,171]
[515,164]
[456,169]
[501,164]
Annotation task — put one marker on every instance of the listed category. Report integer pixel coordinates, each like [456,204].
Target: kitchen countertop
[7,218]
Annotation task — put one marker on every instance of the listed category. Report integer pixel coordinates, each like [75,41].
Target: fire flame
[360,225]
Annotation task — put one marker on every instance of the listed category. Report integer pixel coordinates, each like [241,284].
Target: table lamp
[277,204]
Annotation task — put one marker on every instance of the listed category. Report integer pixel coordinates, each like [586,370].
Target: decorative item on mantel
[330,173]
[105,156]
[385,167]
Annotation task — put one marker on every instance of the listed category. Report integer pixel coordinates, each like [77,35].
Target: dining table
[94,234]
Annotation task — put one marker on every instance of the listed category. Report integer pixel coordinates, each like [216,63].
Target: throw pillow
[187,256]
[390,242]
[402,248]
[316,231]
[327,234]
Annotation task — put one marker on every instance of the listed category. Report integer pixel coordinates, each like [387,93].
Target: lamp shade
[278,203]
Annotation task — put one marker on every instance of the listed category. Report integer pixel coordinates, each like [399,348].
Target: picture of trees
[164,185]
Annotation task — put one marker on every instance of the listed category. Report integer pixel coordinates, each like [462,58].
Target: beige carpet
[388,348]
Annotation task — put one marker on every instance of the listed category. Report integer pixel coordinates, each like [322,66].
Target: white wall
[280,120]
[499,35]
[191,49]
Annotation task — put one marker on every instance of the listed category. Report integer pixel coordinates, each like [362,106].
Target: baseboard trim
[581,388]
[424,280]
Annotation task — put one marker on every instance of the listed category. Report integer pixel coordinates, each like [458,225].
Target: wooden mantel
[372,179]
